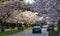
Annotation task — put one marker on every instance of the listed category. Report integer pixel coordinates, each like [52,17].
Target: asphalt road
[29,33]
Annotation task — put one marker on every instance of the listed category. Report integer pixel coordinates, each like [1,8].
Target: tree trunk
[2,27]
[58,28]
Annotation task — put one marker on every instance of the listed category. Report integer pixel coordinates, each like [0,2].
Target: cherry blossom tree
[6,11]
[46,8]
[49,10]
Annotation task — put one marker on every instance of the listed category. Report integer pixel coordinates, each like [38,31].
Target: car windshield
[36,26]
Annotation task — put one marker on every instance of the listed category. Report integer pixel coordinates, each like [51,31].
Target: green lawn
[9,32]
[29,28]
[12,31]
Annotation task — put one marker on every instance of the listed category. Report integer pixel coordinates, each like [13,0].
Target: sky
[29,1]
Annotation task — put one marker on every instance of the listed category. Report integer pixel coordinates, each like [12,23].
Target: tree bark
[2,27]
[58,28]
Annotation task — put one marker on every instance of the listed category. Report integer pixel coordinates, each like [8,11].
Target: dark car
[36,29]
[49,28]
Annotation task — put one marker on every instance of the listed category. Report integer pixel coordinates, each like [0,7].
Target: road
[29,33]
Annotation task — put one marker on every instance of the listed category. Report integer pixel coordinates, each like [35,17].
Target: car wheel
[33,32]
[48,30]
[40,32]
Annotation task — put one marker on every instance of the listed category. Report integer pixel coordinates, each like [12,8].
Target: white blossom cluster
[19,17]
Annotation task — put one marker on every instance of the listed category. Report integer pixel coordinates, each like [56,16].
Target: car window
[50,27]
[36,26]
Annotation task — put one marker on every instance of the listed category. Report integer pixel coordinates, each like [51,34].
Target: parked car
[49,28]
[36,29]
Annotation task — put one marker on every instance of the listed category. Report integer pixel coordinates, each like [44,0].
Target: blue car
[36,29]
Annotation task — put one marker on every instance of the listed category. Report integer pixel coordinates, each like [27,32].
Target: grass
[3,0]
[29,28]
[12,31]
[9,32]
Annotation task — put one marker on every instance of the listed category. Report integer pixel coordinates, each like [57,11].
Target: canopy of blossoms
[49,10]
[11,12]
